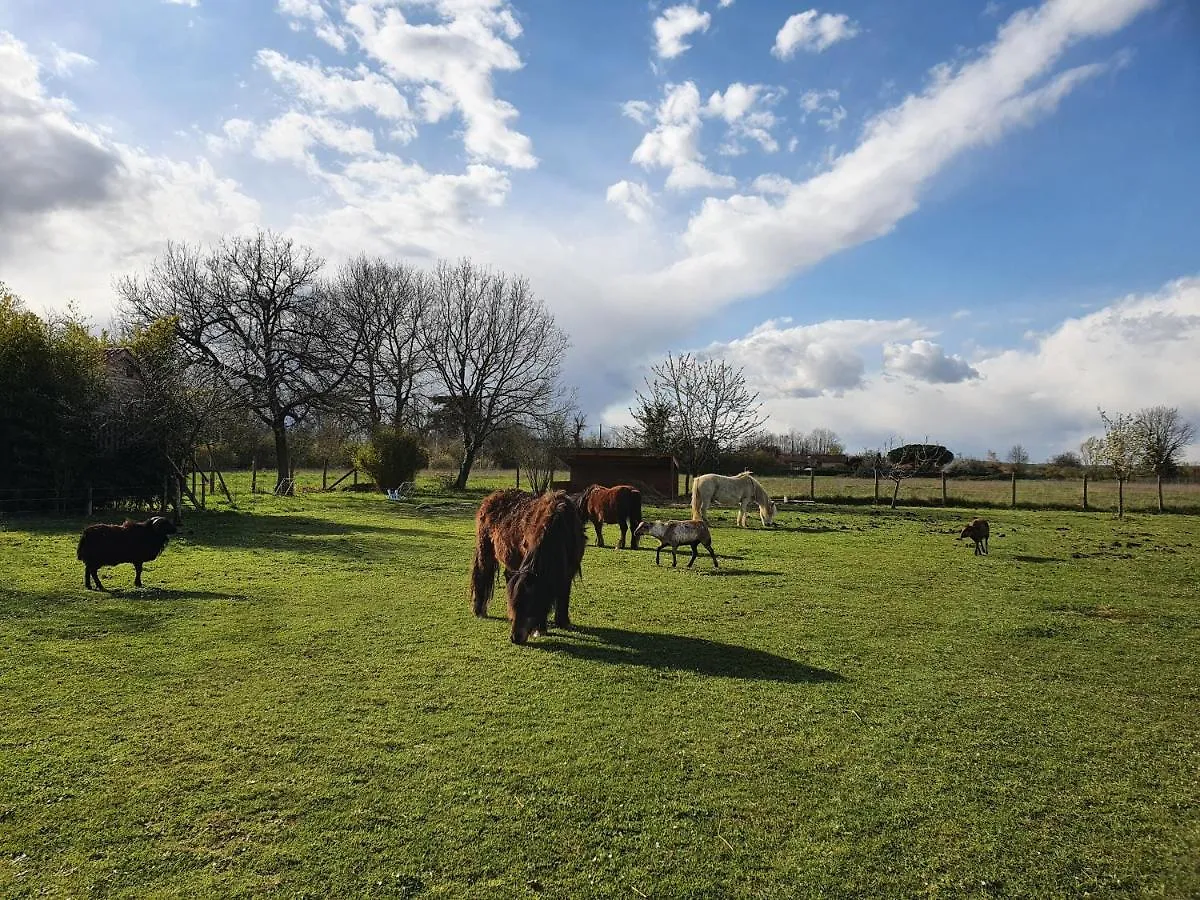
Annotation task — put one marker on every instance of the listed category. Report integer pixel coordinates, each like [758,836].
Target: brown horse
[620,505]
[539,541]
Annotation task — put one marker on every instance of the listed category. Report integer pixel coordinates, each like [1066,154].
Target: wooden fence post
[354,481]
[178,500]
[1085,492]
[325,474]
[812,484]
[1160,499]
[876,500]
[203,485]
[943,489]
[1014,490]
[166,496]
[254,474]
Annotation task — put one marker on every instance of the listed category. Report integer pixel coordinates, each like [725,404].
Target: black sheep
[112,545]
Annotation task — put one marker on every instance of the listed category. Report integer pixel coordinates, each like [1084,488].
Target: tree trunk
[281,458]
[464,469]
[1120,498]
[895,494]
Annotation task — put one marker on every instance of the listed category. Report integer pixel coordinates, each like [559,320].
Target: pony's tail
[697,512]
[483,573]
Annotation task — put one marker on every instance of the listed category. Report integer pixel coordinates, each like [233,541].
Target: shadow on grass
[669,651]
[79,615]
[735,573]
[1037,559]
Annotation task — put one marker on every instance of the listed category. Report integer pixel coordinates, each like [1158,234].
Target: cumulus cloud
[1134,352]
[926,361]
[675,24]
[673,144]
[190,3]
[453,59]
[746,109]
[342,91]
[813,31]
[632,198]
[313,12]
[786,360]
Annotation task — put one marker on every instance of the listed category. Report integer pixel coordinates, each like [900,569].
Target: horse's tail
[483,571]
[697,507]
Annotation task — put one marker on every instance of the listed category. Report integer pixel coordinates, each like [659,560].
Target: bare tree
[824,441]
[496,353]
[1018,456]
[250,310]
[1090,452]
[380,305]
[1162,435]
[705,406]
[1121,450]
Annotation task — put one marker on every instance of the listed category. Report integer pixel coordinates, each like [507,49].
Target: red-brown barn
[653,473]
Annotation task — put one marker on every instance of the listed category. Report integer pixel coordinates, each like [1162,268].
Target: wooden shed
[652,473]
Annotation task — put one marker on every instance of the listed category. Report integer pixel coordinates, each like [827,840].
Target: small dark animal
[977,531]
[539,541]
[620,505]
[112,545]
[676,534]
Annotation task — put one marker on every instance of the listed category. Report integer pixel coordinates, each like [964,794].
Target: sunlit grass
[854,705]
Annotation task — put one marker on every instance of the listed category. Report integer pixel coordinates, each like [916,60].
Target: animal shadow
[736,573]
[670,651]
[1037,559]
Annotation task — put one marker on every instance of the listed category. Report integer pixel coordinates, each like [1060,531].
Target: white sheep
[675,534]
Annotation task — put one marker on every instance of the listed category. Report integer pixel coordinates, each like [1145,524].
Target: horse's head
[523,600]
[768,511]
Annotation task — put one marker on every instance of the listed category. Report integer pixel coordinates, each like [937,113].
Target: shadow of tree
[669,651]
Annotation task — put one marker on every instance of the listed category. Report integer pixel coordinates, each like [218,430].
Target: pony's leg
[693,559]
[137,581]
[96,578]
[562,614]
[658,551]
[599,532]
[713,555]
[674,557]
[621,543]
[483,574]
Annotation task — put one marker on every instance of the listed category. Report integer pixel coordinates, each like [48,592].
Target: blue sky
[974,221]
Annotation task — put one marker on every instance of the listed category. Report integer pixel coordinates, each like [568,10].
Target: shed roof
[614,454]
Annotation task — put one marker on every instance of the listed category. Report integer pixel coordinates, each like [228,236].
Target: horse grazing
[978,531]
[740,490]
[539,541]
[620,505]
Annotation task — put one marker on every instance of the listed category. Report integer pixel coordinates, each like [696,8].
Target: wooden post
[943,489]
[876,500]
[1014,490]
[89,501]
[178,500]
[1120,497]
[203,485]
[1085,491]
[193,476]
[254,474]
[812,484]
[325,474]
[355,480]
[1160,500]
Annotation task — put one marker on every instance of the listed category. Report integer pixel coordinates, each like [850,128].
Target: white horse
[741,490]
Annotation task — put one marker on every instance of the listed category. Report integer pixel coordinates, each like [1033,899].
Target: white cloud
[737,107]
[813,31]
[673,144]
[785,360]
[65,62]
[69,193]
[632,198]
[341,91]
[926,361]
[313,12]
[190,3]
[292,137]
[234,135]
[724,3]
[638,110]
[743,245]
[675,24]
[454,59]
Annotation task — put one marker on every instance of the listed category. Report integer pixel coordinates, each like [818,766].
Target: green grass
[298,702]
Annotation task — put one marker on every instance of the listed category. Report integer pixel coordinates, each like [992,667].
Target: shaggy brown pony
[539,541]
[620,505]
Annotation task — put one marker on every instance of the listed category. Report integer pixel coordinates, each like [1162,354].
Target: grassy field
[298,702]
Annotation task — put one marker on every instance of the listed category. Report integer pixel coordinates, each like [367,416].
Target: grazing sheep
[112,545]
[676,534]
[977,531]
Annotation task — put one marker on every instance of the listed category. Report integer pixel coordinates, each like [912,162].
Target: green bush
[391,458]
